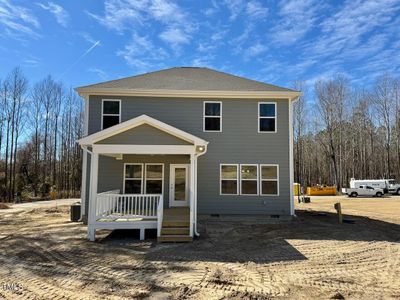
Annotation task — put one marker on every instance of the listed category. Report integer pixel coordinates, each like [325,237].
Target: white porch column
[192,192]
[94,168]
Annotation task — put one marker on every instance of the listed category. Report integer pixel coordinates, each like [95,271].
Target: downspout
[291,155]
[195,193]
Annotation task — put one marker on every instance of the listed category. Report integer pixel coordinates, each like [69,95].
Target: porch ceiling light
[200,148]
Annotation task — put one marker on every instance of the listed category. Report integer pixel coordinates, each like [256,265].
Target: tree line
[343,132]
[39,126]
[340,132]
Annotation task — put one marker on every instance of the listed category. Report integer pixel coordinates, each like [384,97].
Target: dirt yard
[44,256]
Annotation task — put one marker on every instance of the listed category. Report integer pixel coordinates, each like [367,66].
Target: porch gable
[143,135]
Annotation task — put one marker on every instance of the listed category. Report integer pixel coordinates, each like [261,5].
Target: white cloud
[347,28]
[31,61]
[235,7]
[121,15]
[17,20]
[297,18]
[58,11]
[255,50]
[175,36]
[141,54]
[256,10]
[208,12]
[88,37]
[99,72]
[166,11]
[203,61]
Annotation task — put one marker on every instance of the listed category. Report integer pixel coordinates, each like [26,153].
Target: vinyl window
[133,179]
[212,116]
[266,117]
[229,179]
[154,177]
[269,180]
[248,179]
[110,113]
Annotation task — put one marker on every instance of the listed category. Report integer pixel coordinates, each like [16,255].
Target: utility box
[296,189]
[75,212]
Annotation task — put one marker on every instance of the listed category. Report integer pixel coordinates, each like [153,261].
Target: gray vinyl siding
[144,135]
[238,143]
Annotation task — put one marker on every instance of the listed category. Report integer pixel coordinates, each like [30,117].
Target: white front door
[179,185]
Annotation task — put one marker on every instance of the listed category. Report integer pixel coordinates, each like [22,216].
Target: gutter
[195,204]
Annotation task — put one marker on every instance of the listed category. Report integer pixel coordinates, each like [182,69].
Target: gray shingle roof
[188,78]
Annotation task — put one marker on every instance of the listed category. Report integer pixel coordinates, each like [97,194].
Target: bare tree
[299,124]
[331,97]
[384,99]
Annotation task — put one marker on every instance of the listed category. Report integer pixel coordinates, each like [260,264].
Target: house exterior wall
[238,143]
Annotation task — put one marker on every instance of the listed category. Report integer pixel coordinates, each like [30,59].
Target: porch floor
[126,219]
[176,214]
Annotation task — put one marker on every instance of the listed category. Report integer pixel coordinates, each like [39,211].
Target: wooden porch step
[174,238]
[175,223]
[175,231]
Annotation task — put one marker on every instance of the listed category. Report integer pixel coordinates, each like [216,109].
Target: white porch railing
[112,205]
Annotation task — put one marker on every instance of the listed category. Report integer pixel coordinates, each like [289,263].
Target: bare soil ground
[44,256]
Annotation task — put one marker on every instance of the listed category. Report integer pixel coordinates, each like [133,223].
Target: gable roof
[138,121]
[185,79]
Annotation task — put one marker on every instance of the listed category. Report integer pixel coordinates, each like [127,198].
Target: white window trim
[237,179]
[259,117]
[204,116]
[141,179]
[102,110]
[145,177]
[257,180]
[261,179]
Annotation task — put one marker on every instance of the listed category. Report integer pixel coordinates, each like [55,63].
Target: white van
[375,183]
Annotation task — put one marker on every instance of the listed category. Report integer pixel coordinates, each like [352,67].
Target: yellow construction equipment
[320,190]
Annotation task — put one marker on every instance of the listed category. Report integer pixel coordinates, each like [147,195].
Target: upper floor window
[110,113]
[212,116]
[266,117]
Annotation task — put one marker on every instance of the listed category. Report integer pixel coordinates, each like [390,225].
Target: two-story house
[163,147]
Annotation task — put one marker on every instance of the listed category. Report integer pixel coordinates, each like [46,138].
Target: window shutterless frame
[273,180]
[141,176]
[158,178]
[205,116]
[256,180]
[221,179]
[102,110]
[271,117]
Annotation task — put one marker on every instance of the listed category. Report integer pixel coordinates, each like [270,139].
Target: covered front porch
[143,186]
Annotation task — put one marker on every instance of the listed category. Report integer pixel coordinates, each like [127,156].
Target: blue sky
[82,42]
